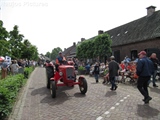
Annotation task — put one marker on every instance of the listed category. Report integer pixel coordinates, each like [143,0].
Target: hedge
[9,89]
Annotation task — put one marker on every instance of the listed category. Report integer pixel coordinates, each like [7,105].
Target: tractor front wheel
[53,88]
[83,85]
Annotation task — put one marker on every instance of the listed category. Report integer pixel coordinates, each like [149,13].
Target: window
[134,54]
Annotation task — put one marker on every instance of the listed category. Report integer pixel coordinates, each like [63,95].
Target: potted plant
[81,70]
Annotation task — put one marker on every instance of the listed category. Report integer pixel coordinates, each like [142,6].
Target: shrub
[9,88]
[27,71]
[80,68]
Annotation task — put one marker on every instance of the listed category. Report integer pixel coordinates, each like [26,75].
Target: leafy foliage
[3,32]
[99,46]
[13,44]
[102,45]
[54,53]
[81,68]
[4,48]
[9,89]
[29,51]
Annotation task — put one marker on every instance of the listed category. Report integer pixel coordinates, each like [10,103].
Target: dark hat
[47,61]
[142,53]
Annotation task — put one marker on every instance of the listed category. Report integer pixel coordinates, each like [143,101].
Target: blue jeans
[112,79]
[153,78]
[96,77]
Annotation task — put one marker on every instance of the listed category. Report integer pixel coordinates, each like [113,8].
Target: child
[96,72]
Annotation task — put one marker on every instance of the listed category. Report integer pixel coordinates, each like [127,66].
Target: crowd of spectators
[126,72]
[15,66]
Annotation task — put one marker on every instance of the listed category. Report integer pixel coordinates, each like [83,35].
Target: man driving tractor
[60,60]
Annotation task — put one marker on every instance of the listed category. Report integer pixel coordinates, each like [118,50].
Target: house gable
[67,52]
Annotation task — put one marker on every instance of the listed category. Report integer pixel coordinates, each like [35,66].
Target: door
[117,56]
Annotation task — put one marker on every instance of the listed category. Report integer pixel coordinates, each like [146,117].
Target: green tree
[15,42]
[11,44]
[85,49]
[4,45]
[3,32]
[102,45]
[4,48]
[99,46]
[33,52]
[89,51]
[48,54]
[54,53]
[81,50]
[29,51]
[25,49]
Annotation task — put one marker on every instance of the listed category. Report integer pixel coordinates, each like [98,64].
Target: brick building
[140,34]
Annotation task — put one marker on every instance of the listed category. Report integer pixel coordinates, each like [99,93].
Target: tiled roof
[67,51]
[145,28]
[73,51]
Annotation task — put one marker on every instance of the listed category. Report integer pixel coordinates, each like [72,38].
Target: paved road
[99,103]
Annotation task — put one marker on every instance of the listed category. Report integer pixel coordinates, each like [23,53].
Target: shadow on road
[78,94]
[61,95]
[146,111]
[94,83]
[40,91]
[155,90]
[110,93]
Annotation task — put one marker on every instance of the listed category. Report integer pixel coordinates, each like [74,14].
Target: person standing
[87,67]
[106,75]
[4,67]
[155,61]
[113,72]
[96,72]
[75,63]
[144,70]
[14,67]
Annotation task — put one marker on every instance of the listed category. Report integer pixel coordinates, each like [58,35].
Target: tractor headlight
[60,73]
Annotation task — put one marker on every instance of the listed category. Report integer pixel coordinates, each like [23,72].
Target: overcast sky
[58,23]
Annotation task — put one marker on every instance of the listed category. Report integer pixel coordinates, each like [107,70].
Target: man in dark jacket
[113,72]
[144,70]
[155,61]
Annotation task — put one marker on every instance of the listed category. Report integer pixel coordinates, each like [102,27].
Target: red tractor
[64,76]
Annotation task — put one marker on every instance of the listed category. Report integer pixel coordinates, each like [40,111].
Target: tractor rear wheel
[83,85]
[53,88]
